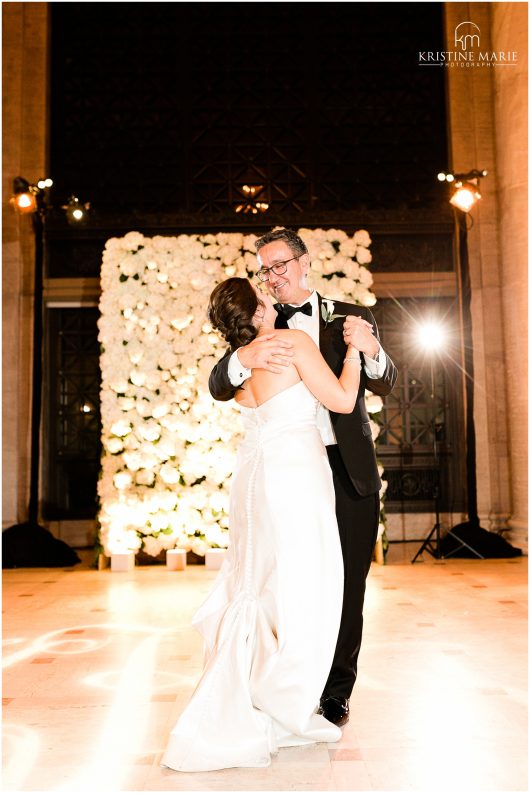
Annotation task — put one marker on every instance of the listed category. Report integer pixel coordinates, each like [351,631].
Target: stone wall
[25,108]
[483,136]
[509,31]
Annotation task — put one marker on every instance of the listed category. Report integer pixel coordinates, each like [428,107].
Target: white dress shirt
[237,373]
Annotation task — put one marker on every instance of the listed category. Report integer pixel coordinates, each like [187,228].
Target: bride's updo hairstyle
[231,310]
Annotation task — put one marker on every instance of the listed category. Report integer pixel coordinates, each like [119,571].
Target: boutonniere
[326,309]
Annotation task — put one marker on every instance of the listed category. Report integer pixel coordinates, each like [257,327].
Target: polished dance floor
[98,665]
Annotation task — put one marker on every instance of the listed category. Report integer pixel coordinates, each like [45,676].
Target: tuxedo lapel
[324,332]
[321,323]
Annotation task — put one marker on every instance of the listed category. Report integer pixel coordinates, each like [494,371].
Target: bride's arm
[338,395]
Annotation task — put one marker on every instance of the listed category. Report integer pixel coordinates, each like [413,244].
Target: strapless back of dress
[294,406]
[271,621]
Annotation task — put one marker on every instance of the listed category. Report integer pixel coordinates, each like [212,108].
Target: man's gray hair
[295,243]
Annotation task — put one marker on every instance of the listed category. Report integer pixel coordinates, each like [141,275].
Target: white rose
[216,536]
[184,542]
[336,235]
[114,445]
[374,403]
[153,380]
[133,460]
[152,546]
[328,266]
[169,474]
[362,238]
[352,270]
[168,360]
[128,266]
[120,428]
[131,442]
[137,377]
[144,477]
[375,429]
[198,546]
[120,385]
[363,256]
[122,480]
[249,242]
[144,408]
[160,410]
[365,277]
[149,430]
[126,403]
[199,282]
[326,251]
[133,240]
[348,247]
[364,296]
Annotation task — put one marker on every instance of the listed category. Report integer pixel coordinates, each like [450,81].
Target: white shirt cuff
[237,373]
[375,369]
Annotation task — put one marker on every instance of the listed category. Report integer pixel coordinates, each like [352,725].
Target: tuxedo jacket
[352,430]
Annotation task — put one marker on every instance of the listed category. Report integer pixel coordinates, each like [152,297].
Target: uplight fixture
[76,212]
[466,191]
[431,335]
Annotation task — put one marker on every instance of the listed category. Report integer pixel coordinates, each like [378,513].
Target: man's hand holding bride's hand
[359,333]
[266,351]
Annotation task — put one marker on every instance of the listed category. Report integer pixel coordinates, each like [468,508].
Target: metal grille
[421,438]
[72,414]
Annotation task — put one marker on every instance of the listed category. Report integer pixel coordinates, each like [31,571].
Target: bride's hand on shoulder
[267,351]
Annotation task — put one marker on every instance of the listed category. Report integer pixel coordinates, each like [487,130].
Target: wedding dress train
[271,621]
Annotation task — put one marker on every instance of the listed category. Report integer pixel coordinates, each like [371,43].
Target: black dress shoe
[335,709]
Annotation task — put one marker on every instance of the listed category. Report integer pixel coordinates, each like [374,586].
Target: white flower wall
[168,448]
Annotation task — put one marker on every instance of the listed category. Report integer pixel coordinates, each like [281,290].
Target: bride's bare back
[308,365]
[263,385]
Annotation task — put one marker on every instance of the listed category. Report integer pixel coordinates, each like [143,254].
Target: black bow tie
[287,311]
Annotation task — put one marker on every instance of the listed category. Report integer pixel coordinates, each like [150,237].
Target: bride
[271,621]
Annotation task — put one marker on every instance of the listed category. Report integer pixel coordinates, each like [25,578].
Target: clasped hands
[269,352]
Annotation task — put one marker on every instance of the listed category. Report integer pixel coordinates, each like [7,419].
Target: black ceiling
[172,107]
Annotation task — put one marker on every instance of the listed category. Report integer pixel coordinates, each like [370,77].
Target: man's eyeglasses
[278,269]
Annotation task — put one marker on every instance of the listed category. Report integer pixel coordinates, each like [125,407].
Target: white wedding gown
[271,621]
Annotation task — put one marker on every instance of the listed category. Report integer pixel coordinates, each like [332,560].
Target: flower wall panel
[168,448]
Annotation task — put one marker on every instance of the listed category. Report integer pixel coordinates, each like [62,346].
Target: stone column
[509,31]
[472,136]
[25,111]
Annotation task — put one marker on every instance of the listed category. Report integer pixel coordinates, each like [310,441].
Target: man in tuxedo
[284,266]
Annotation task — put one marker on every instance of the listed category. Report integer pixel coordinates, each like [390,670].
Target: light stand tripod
[428,545]
[434,549]
[432,543]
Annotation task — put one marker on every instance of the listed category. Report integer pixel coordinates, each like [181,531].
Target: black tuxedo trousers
[358,521]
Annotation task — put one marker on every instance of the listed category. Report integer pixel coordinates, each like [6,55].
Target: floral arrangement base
[144,559]
[194,558]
